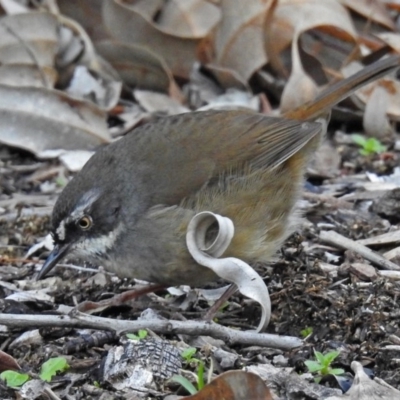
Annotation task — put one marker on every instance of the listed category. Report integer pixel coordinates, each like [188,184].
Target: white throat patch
[94,248]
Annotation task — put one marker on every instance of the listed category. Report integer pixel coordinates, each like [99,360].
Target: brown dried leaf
[390,85]
[139,67]
[158,102]
[326,161]
[37,119]
[227,78]
[391,39]
[375,120]
[77,60]
[364,388]
[293,17]
[133,24]
[300,88]
[372,10]
[188,18]
[7,362]
[234,385]
[239,37]
[28,45]
[88,14]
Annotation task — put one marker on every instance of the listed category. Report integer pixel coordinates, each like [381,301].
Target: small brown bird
[129,207]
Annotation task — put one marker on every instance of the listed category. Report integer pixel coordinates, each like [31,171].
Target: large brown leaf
[134,24]
[239,36]
[28,45]
[37,119]
[234,385]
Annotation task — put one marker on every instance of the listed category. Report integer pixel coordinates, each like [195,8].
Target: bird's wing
[175,156]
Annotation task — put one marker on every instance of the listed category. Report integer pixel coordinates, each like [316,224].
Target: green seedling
[142,334]
[187,355]
[306,332]
[185,383]
[51,367]
[368,145]
[14,379]
[322,365]
[61,181]
[48,369]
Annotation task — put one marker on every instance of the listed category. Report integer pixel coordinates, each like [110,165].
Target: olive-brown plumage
[129,207]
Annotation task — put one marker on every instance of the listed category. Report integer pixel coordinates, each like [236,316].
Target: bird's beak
[56,255]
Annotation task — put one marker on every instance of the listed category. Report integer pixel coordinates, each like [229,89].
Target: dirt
[346,311]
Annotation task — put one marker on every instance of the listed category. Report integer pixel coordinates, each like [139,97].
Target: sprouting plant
[306,332]
[187,355]
[322,365]
[14,379]
[48,369]
[142,334]
[368,145]
[51,367]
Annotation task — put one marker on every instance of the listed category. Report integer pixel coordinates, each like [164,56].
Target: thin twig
[193,328]
[338,240]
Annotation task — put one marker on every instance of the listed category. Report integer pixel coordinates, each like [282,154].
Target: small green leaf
[61,181]
[200,376]
[52,366]
[320,357]
[185,383]
[188,353]
[330,356]
[359,139]
[132,336]
[337,371]
[368,146]
[13,378]
[142,333]
[306,332]
[313,366]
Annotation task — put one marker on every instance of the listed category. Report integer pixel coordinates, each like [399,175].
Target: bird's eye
[85,222]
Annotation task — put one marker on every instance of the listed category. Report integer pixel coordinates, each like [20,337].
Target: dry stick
[336,239]
[193,328]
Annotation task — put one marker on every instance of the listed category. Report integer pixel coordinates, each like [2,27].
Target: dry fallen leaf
[375,119]
[139,67]
[8,363]
[234,385]
[372,10]
[133,24]
[239,36]
[390,85]
[28,45]
[364,388]
[207,253]
[294,17]
[37,120]
[300,87]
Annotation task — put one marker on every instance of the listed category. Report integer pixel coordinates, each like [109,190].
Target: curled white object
[231,269]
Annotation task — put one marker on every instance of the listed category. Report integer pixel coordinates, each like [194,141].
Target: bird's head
[85,226]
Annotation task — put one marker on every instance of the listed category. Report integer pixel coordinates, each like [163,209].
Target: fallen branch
[193,328]
[336,239]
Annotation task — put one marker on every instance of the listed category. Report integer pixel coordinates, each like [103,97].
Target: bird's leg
[90,307]
[209,316]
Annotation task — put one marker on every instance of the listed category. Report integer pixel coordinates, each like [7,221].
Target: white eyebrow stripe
[85,203]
